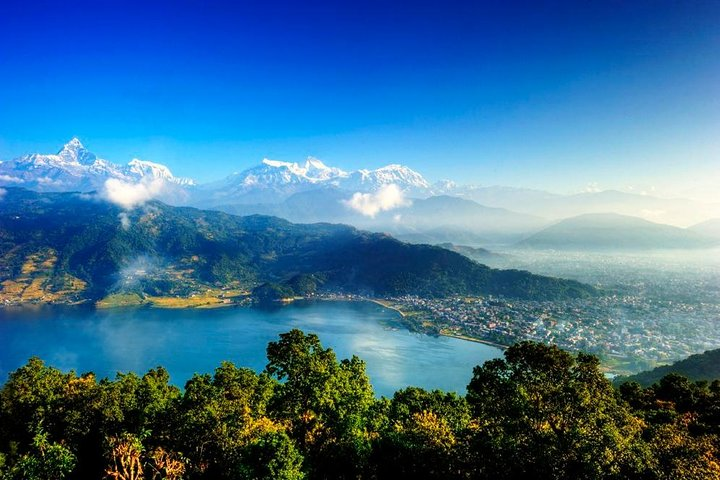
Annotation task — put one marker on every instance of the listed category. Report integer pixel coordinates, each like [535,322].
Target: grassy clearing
[121,300]
[211,298]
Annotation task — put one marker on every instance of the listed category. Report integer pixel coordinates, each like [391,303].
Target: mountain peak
[74,152]
[315,163]
[74,143]
[404,177]
[394,166]
[277,163]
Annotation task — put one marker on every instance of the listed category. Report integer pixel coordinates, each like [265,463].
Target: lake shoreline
[475,340]
[188,341]
[223,305]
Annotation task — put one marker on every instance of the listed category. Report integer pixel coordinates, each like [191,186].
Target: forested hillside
[702,366]
[69,246]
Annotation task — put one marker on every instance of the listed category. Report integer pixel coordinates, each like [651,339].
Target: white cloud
[135,270]
[388,197]
[2,193]
[49,181]
[592,187]
[124,220]
[129,195]
[8,178]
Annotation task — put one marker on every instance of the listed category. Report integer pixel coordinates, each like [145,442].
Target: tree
[543,412]
[326,403]
[46,461]
[678,455]
[220,417]
[683,393]
[538,413]
[420,435]
[269,293]
[271,456]
[423,445]
[29,398]
[125,453]
[164,465]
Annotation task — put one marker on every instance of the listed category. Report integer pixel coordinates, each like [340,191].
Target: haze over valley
[359,240]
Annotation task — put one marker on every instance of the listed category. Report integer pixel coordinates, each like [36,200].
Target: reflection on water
[189,341]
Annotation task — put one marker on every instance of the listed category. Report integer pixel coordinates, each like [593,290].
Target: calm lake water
[189,341]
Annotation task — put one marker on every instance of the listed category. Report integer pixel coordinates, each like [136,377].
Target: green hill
[68,246]
[702,366]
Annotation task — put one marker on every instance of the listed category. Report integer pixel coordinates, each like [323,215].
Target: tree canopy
[539,412]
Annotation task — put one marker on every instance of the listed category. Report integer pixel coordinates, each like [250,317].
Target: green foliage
[325,402]
[554,413]
[219,417]
[267,293]
[305,284]
[422,435]
[31,397]
[679,455]
[538,413]
[45,461]
[271,456]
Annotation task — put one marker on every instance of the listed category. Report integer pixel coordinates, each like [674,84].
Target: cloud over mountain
[387,197]
[129,195]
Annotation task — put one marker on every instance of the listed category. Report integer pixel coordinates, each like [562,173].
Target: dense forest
[539,412]
[70,246]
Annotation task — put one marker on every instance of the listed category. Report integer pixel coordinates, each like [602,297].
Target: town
[628,333]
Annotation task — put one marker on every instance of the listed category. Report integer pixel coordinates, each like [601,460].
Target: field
[210,298]
[38,282]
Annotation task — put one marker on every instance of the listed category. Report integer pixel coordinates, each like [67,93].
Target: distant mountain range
[609,231]
[393,199]
[675,211]
[274,181]
[60,246]
[435,219]
[709,228]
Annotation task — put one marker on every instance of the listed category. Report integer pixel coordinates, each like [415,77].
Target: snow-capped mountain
[145,169]
[318,171]
[445,186]
[272,181]
[76,168]
[74,152]
[370,180]
[274,173]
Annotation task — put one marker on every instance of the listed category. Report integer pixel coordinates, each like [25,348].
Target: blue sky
[555,95]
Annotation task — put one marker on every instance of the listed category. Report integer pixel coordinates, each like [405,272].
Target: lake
[195,340]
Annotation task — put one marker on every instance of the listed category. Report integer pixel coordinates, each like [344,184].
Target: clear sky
[555,95]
